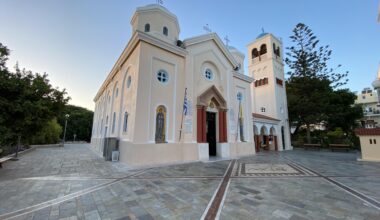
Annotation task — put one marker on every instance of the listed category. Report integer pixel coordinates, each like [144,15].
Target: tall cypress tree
[310,81]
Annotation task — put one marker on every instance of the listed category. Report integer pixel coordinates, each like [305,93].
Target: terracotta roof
[367,131]
[255,115]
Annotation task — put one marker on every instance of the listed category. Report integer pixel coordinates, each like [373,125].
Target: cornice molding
[243,77]
[132,44]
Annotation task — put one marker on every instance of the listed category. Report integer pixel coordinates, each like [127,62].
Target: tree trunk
[308,134]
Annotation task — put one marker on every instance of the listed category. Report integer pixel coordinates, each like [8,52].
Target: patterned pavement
[74,183]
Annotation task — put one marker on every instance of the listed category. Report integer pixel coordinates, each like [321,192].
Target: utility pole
[64,133]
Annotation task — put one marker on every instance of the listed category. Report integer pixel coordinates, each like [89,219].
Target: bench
[2,160]
[312,146]
[345,147]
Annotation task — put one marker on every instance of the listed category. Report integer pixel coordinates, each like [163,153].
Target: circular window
[209,75]
[129,80]
[239,96]
[162,76]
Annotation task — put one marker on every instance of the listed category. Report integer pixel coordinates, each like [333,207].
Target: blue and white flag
[185,103]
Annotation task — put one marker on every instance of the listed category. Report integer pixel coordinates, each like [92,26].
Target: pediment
[217,41]
[212,94]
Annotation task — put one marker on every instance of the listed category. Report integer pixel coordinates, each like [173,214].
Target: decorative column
[222,126]
[257,142]
[201,124]
[204,137]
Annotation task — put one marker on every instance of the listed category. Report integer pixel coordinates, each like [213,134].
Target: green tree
[342,111]
[310,81]
[49,134]
[79,123]
[308,100]
[28,102]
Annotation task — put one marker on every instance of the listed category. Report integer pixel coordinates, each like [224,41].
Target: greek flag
[185,104]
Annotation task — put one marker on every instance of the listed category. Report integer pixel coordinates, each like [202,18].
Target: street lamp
[64,134]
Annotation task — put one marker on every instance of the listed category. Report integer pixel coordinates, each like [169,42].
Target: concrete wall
[151,153]
[370,152]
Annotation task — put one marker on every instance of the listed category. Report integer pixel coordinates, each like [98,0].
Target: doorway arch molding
[203,100]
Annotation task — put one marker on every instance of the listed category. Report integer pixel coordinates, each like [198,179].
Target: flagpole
[180,131]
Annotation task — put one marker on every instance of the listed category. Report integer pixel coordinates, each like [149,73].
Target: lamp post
[64,133]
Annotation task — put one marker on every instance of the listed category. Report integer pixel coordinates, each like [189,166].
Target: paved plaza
[75,183]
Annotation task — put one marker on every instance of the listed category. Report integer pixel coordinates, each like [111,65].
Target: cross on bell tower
[207,28]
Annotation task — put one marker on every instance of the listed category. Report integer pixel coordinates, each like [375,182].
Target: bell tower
[266,67]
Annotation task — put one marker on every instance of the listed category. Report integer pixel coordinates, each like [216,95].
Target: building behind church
[168,100]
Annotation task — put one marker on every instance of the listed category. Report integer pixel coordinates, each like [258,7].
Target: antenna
[159,2]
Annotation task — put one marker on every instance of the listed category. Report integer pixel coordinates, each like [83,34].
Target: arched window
[129,80]
[147,27]
[160,124]
[255,53]
[276,50]
[165,31]
[125,125]
[113,122]
[263,49]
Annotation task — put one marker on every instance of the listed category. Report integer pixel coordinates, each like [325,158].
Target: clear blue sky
[77,42]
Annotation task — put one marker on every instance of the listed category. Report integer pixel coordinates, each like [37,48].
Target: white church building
[169,101]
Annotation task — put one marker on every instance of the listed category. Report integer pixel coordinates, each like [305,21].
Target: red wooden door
[275,143]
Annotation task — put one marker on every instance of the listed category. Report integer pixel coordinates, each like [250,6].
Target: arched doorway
[211,119]
[273,139]
[264,138]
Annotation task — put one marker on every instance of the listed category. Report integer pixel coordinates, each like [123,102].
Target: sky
[78,42]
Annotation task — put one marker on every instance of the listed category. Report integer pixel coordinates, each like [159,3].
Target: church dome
[376,84]
[233,50]
[156,6]
[156,20]
[261,35]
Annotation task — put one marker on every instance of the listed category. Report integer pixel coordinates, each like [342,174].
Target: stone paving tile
[50,173]
[369,186]
[71,160]
[334,163]
[170,199]
[23,193]
[292,198]
[217,168]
